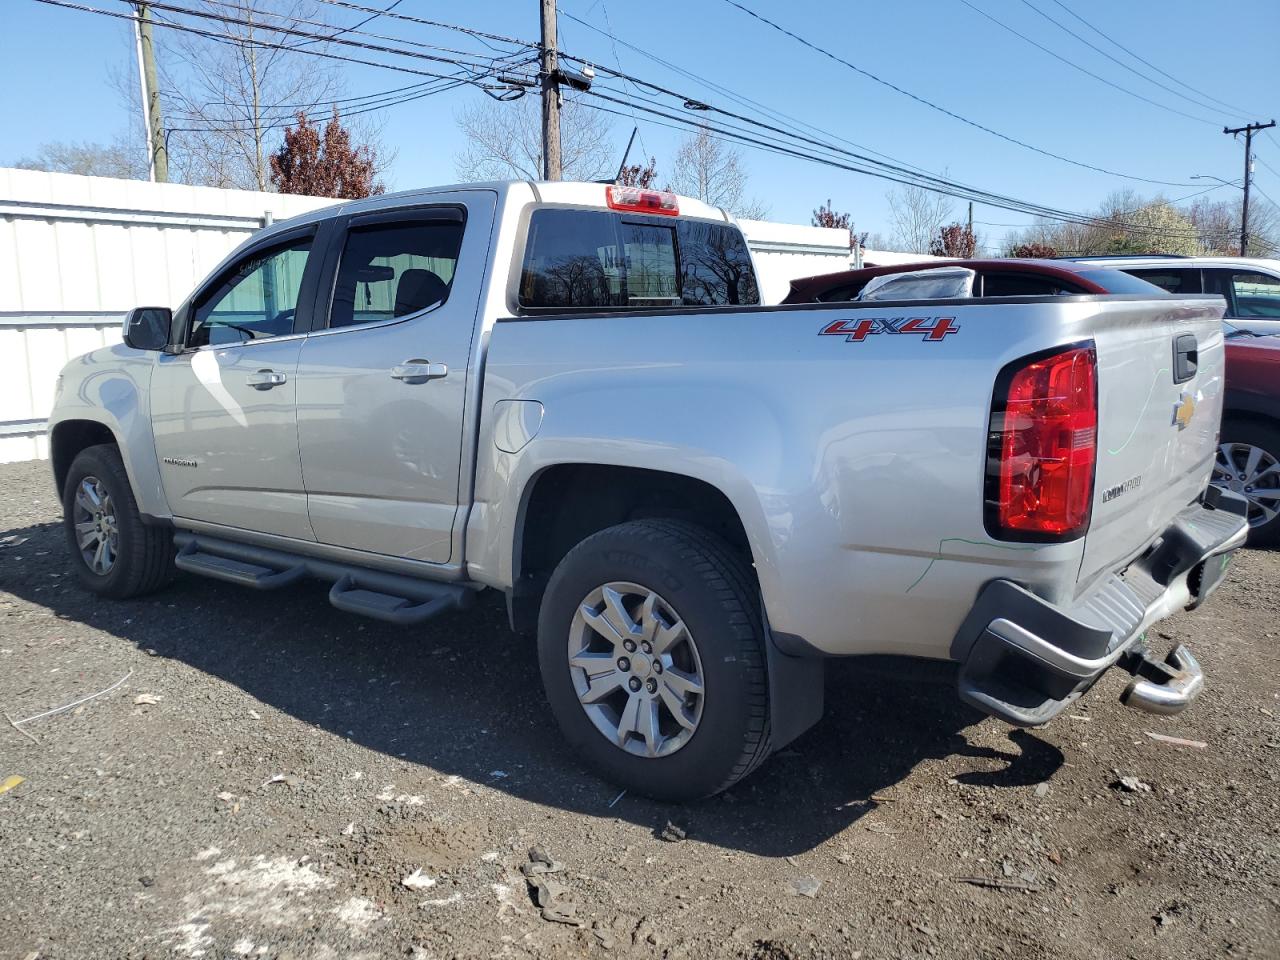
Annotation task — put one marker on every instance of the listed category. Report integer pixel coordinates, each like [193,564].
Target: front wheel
[651,648]
[114,553]
[1249,464]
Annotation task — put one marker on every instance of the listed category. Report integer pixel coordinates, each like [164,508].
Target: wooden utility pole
[1248,131]
[157,148]
[551,169]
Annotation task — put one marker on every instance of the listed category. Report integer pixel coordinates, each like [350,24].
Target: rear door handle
[419,371]
[265,379]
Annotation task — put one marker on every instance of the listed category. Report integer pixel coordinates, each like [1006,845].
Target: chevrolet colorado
[570,393]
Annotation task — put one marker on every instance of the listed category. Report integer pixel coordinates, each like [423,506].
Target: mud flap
[795,688]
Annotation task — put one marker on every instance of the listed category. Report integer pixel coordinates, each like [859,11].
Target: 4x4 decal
[855,331]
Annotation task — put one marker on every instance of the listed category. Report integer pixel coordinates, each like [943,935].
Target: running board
[390,597]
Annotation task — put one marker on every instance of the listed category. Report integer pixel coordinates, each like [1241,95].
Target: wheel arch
[68,438]
[564,503]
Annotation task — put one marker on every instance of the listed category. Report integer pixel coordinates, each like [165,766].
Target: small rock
[418,880]
[1042,790]
[146,700]
[147,881]
[1131,785]
[672,833]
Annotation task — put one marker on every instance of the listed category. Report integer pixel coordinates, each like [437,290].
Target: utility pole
[157,146]
[971,218]
[1248,131]
[550,94]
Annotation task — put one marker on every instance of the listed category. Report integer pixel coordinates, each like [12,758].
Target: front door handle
[265,379]
[419,371]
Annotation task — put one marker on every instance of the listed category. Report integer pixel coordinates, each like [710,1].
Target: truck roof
[807,288]
[574,193]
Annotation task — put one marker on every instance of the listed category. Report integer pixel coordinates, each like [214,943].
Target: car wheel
[651,647]
[1249,464]
[114,553]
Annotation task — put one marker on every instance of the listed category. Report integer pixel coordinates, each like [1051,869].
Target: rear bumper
[1024,660]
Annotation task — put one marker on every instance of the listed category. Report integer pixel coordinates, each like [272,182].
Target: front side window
[392,270]
[257,299]
[600,260]
[1256,295]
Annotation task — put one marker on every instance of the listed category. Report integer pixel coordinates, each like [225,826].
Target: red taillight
[1044,447]
[640,200]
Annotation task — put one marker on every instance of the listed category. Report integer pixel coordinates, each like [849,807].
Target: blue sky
[939,49]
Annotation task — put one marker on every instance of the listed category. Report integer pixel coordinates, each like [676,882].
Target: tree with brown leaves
[826,216]
[1033,251]
[321,162]
[954,240]
[639,175]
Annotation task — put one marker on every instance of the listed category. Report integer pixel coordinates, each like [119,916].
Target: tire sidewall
[716,625]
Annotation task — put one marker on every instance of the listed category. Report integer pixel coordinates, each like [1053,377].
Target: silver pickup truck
[570,393]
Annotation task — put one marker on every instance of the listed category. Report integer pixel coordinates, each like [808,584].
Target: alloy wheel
[636,670]
[1253,473]
[97,534]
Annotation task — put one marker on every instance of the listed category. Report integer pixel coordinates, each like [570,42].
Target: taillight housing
[639,200]
[1043,447]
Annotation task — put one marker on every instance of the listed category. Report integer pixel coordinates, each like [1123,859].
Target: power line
[1143,60]
[67,4]
[367,20]
[879,170]
[430,23]
[943,110]
[1075,66]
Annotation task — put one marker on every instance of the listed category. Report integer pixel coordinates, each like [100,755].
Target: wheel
[114,553]
[1249,464]
[651,647]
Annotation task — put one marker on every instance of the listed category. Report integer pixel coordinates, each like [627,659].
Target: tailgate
[1156,437]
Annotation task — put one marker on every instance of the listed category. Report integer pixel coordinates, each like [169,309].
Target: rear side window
[1256,295]
[1119,281]
[600,260]
[1174,281]
[391,270]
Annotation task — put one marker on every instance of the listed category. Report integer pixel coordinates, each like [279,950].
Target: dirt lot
[271,771]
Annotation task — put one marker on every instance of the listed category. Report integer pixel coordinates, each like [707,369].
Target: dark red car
[1249,452]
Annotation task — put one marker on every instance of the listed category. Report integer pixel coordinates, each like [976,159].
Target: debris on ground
[540,862]
[673,833]
[806,887]
[288,779]
[547,893]
[146,700]
[11,782]
[1042,790]
[1130,785]
[417,880]
[996,883]
[1177,741]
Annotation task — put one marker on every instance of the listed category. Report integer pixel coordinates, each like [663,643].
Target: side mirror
[147,328]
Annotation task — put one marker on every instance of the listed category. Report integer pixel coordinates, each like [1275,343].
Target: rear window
[1117,281]
[594,259]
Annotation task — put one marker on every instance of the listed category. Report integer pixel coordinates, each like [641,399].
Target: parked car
[992,278]
[568,393]
[1251,286]
[1249,453]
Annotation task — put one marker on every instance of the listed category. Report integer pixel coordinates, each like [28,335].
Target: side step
[236,571]
[391,597]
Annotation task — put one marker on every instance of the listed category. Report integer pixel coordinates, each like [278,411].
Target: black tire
[716,595]
[1265,436]
[144,557]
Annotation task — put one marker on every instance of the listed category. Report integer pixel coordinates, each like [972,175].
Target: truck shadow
[462,696]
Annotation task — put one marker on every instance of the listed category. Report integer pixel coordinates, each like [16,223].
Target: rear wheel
[651,648]
[1249,464]
[114,553]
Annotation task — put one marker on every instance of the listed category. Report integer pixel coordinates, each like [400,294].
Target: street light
[1225,183]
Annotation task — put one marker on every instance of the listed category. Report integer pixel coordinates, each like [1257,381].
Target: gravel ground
[274,778]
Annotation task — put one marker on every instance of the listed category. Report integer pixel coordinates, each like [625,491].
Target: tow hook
[1162,686]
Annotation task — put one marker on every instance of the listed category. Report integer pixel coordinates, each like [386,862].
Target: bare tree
[229,99]
[116,159]
[917,215]
[708,169]
[504,141]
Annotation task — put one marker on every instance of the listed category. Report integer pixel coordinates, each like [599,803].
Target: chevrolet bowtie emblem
[1184,409]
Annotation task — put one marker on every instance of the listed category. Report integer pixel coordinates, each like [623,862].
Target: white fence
[77,252]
